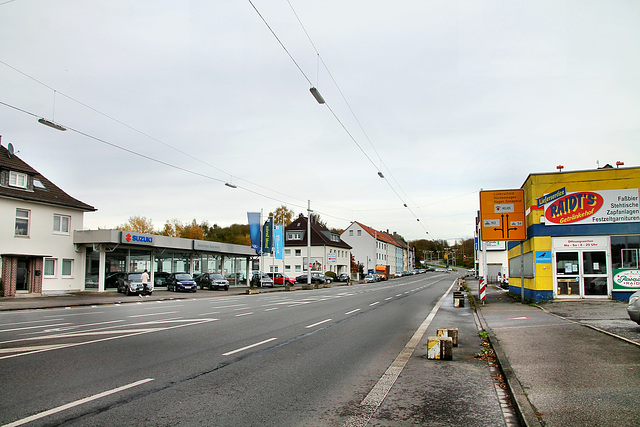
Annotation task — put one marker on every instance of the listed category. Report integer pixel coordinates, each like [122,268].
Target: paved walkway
[560,372]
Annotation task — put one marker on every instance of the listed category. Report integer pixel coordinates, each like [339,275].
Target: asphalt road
[294,358]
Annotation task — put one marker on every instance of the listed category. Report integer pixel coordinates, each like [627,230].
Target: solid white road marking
[76,403]
[229,353]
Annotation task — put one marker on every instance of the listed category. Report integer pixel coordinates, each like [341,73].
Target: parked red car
[280,279]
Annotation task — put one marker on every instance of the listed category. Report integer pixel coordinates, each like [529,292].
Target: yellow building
[583,235]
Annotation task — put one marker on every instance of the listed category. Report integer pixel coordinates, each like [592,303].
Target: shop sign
[134,238]
[580,243]
[332,257]
[626,279]
[594,207]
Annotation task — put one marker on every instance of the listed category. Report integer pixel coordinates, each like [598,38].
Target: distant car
[261,279]
[397,274]
[370,278]
[236,278]
[633,310]
[181,282]
[212,281]
[160,278]
[344,277]
[503,280]
[131,284]
[316,278]
[280,279]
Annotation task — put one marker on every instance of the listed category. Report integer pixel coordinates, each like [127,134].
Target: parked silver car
[634,307]
[131,284]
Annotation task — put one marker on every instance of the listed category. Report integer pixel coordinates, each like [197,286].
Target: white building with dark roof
[37,220]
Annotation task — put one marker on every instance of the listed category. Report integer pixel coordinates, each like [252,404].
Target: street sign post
[502,217]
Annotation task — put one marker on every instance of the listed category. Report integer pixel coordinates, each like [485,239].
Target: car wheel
[150,293]
[127,293]
[226,288]
[194,291]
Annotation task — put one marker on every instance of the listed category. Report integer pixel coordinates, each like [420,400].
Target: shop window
[61,223]
[22,222]
[625,251]
[67,267]
[50,267]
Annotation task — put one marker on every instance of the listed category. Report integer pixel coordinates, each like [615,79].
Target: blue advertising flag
[254,230]
[267,236]
[278,241]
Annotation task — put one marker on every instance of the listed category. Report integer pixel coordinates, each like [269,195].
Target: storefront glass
[234,270]
[567,273]
[92,269]
[115,265]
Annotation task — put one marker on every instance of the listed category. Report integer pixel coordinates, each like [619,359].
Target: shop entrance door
[22,276]
[595,276]
[581,274]
[567,274]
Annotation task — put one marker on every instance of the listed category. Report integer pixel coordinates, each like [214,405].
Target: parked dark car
[131,284]
[112,279]
[316,278]
[181,282]
[344,277]
[261,279]
[212,281]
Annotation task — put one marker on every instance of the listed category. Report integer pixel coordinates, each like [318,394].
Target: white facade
[325,258]
[50,236]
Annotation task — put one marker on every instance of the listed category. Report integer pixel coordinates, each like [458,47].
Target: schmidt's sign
[136,238]
[593,207]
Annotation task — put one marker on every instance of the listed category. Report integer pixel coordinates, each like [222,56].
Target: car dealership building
[109,252]
[582,235]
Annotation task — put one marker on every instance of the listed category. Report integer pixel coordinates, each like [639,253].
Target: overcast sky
[443,97]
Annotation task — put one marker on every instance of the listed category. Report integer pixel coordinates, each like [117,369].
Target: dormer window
[294,235]
[18,179]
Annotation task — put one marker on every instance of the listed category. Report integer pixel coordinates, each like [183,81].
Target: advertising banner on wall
[626,279]
[594,207]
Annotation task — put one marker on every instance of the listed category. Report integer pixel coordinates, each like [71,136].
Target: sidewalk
[561,373]
[112,297]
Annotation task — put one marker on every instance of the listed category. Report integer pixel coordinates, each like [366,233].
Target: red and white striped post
[483,290]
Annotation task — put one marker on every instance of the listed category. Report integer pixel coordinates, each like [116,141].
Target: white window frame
[26,218]
[54,261]
[298,252]
[298,268]
[18,179]
[60,222]
[294,235]
[287,252]
[68,261]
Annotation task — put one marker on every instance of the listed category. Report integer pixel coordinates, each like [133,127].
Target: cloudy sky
[165,101]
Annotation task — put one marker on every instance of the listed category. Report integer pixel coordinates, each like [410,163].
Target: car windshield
[183,276]
[135,277]
[217,276]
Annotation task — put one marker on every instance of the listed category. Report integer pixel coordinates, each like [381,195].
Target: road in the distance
[301,358]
